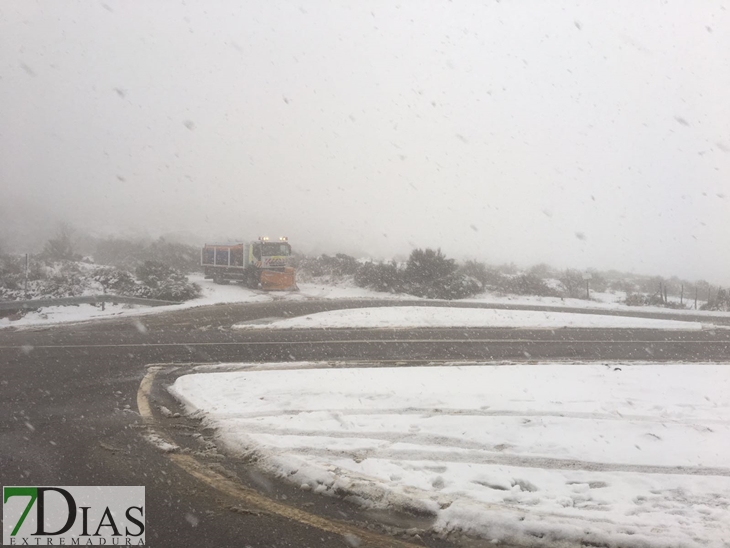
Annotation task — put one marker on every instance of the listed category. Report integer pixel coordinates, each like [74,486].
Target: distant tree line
[429,273]
[67,265]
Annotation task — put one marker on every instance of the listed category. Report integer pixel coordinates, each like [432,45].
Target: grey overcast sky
[582,134]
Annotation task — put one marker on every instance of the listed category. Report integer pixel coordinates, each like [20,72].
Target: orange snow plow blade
[271,280]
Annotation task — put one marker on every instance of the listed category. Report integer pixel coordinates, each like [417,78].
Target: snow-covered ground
[608,455]
[429,316]
[211,294]
[599,301]
[345,289]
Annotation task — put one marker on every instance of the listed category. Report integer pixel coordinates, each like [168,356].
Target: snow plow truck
[259,264]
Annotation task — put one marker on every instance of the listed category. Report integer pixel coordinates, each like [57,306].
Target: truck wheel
[252,280]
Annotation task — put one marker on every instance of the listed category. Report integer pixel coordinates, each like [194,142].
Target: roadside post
[587,277]
[26,276]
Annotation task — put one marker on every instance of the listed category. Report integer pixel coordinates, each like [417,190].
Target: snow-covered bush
[175,290]
[153,273]
[115,281]
[452,286]
[64,279]
[514,282]
[72,279]
[721,301]
[485,275]
[166,283]
[640,299]
[574,284]
[527,284]
[635,299]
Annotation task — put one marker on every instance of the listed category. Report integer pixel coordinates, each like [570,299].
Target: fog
[581,134]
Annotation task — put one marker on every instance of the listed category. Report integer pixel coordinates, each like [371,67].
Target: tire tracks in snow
[473,456]
[431,412]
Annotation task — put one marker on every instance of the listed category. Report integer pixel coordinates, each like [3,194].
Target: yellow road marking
[251,497]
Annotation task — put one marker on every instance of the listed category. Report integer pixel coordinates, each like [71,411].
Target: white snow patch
[70,314]
[160,443]
[632,457]
[432,316]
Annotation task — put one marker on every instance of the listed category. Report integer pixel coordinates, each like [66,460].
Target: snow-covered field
[218,294]
[429,316]
[612,455]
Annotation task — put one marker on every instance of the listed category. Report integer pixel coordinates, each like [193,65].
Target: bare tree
[574,283]
[61,247]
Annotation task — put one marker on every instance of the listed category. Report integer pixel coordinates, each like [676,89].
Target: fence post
[26,275]
[587,277]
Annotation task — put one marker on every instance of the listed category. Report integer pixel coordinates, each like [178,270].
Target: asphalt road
[69,415]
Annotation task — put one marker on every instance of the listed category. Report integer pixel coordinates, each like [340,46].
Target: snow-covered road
[617,455]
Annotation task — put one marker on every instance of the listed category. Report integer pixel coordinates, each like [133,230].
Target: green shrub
[153,273]
[11,272]
[385,277]
[425,266]
[337,267]
[428,274]
[452,286]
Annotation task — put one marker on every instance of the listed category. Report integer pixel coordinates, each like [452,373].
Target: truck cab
[269,255]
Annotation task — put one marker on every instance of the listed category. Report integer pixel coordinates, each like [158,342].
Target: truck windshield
[275,249]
